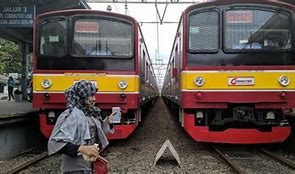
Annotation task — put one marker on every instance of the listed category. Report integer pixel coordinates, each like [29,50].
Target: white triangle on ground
[166,144]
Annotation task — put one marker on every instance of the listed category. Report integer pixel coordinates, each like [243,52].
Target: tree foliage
[10,57]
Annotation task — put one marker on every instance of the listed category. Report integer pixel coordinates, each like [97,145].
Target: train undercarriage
[238,124]
[128,123]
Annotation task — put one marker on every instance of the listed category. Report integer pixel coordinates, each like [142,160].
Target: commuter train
[105,48]
[231,71]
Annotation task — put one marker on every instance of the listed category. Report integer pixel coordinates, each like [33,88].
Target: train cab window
[249,29]
[142,69]
[102,37]
[147,71]
[203,31]
[52,38]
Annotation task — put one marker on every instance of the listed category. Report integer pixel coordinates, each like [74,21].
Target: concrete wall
[18,137]
[4,94]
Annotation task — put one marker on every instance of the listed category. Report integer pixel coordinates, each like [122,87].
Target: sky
[148,13]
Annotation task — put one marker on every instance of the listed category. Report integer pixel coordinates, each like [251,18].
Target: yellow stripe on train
[104,82]
[237,80]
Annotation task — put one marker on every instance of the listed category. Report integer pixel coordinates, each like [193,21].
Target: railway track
[249,161]
[28,163]
[227,159]
[279,158]
[142,146]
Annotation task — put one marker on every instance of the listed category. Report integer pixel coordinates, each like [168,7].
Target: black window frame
[198,11]
[286,12]
[38,38]
[74,18]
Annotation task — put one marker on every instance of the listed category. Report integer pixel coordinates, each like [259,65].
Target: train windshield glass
[102,37]
[203,31]
[256,30]
[52,37]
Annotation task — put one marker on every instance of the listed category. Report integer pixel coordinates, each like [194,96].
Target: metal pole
[126,7]
[24,71]
[158,47]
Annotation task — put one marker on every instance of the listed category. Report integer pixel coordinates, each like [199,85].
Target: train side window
[176,65]
[172,67]
[143,66]
[52,38]
[147,71]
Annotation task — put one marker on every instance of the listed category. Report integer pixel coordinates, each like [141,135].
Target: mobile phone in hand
[117,115]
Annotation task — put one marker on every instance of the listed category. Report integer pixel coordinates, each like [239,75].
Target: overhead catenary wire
[161,7]
[145,1]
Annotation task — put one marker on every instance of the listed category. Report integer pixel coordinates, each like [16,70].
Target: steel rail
[278,158]
[232,164]
[29,163]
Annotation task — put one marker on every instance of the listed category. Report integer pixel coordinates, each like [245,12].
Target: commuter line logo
[241,81]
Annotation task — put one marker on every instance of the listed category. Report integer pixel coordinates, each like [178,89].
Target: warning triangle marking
[166,144]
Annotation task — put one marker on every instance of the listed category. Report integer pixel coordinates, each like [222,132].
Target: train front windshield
[85,43]
[102,37]
[257,30]
[244,36]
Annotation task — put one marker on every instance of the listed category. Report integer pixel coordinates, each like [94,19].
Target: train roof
[234,2]
[86,11]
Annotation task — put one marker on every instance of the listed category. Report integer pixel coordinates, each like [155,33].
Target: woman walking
[11,85]
[78,129]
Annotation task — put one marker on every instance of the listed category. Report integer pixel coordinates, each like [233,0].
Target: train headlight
[284,81]
[199,81]
[122,84]
[50,117]
[199,114]
[46,83]
[270,115]
[51,114]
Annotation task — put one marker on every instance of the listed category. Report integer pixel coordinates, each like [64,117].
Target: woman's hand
[110,118]
[89,150]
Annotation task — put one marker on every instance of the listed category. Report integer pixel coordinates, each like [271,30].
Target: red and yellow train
[232,71]
[105,48]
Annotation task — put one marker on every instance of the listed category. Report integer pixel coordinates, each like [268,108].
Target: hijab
[77,96]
